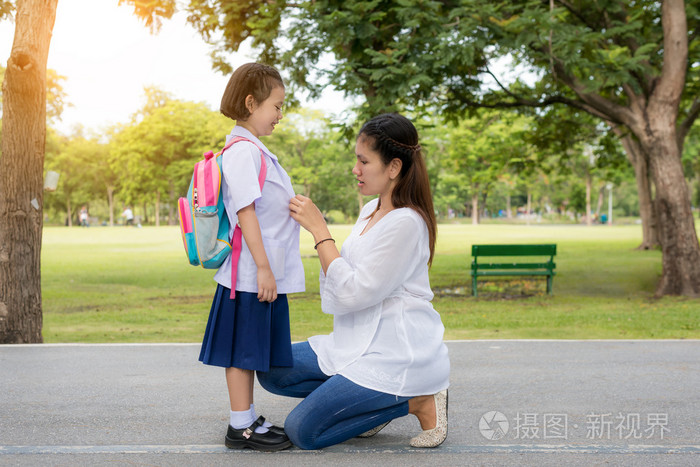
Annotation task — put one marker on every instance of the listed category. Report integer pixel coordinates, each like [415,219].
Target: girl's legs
[240,392]
[240,388]
[243,418]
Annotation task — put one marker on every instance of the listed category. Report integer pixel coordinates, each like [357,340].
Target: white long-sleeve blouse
[386,334]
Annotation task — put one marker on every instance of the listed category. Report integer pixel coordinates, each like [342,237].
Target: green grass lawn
[127,284]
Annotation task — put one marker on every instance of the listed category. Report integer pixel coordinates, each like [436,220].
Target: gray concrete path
[511,403]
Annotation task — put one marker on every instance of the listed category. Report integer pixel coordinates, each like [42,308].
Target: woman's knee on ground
[301,429]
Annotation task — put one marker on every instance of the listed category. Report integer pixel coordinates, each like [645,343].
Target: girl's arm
[267,286]
[305,212]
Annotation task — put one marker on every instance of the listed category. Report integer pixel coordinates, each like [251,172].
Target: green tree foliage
[152,12]
[7,8]
[78,160]
[392,53]
[225,25]
[625,63]
[154,155]
[573,142]
[55,96]
[317,161]
[621,61]
[483,148]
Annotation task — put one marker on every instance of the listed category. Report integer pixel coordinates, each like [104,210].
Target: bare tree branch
[523,102]
[506,90]
[604,108]
[577,14]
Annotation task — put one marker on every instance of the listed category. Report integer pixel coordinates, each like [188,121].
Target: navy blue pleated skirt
[246,333]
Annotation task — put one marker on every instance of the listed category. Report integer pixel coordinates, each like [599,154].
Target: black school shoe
[273,428]
[248,438]
[277,429]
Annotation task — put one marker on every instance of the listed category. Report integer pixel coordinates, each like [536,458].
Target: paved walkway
[511,403]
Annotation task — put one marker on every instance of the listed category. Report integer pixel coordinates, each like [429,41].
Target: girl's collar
[240,131]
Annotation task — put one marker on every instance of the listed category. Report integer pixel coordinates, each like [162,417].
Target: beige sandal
[373,431]
[436,436]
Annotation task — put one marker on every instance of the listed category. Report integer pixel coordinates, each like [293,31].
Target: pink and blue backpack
[204,223]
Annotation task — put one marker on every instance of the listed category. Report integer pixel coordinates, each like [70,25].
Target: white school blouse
[386,335]
[280,233]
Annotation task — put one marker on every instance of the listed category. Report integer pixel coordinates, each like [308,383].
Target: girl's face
[266,114]
[373,176]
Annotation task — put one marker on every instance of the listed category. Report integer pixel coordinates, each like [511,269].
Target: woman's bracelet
[324,240]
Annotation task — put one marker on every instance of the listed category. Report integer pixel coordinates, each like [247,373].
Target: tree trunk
[640,162]
[484,198]
[589,182]
[69,212]
[509,214]
[599,205]
[679,241]
[475,209]
[697,177]
[158,209]
[21,172]
[610,204]
[110,202]
[655,128]
[171,205]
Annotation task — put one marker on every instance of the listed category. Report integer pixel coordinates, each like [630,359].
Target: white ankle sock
[241,419]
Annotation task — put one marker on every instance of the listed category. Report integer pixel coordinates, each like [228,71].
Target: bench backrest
[514,250]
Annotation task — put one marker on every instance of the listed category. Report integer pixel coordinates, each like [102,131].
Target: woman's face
[373,176]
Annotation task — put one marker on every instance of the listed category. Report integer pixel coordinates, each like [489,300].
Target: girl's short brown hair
[251,79]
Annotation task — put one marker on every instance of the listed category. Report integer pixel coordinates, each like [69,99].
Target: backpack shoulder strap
[263,164]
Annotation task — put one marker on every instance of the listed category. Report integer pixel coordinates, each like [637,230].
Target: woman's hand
[305,212]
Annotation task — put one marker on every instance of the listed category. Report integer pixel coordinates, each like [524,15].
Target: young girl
[249,331]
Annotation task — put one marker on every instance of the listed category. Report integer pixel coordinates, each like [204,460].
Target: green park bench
[512,268]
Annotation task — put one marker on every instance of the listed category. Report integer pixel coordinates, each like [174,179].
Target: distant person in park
[128,216]
[250,331]
[84,216]
[385,357]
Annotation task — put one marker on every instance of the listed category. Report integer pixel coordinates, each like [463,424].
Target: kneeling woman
[385,357]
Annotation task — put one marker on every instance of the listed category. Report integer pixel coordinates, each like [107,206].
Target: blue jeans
[334,408]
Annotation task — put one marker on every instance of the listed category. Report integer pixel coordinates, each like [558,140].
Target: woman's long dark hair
[393,136]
